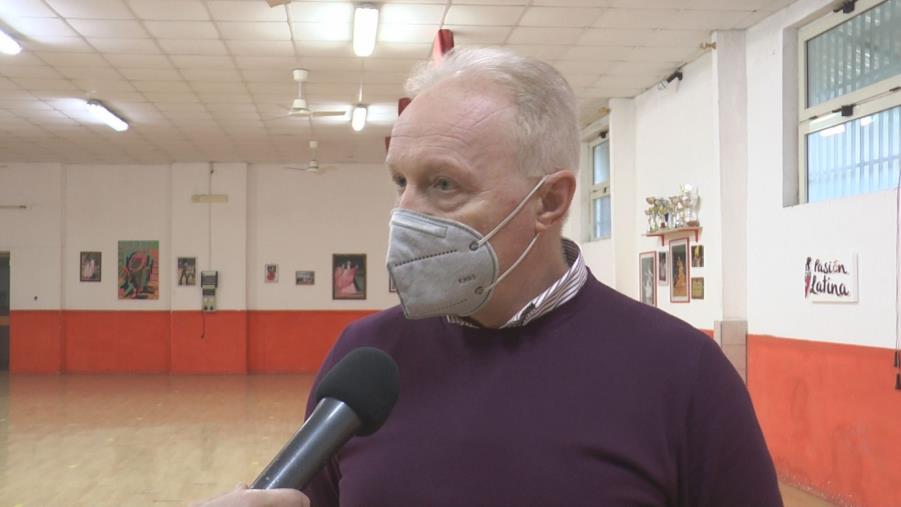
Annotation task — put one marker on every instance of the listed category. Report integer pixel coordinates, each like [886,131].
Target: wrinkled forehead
[478,118]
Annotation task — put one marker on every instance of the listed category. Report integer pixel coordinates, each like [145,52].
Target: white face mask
[444,267]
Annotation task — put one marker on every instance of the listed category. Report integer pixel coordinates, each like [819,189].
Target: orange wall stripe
[831,416]
[294,341]
[214,342]
[116,341]
[35,342]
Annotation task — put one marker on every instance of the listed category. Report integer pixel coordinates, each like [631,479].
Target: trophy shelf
[664,233]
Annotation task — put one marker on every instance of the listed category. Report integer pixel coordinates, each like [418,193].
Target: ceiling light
[366,25]
[8,45]
[106,116]
[358,120]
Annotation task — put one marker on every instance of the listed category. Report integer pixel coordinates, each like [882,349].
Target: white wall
[294,219]
[780,237]
[105,204]
[214,233]
[676,143]
[32,236]
[298,220]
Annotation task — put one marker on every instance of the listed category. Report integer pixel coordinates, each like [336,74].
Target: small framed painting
[89,266]
[271,273]
[647,278]
[349,276]
[304,277]
[697,256]
[680,271]
[186,268]
[662,269]
[697,288]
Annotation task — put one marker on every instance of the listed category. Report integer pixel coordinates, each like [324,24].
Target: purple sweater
[603,402]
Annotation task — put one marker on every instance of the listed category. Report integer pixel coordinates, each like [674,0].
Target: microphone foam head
[368,381]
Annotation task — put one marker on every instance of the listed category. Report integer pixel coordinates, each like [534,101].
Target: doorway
[4,311]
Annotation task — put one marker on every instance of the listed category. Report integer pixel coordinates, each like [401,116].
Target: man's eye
[444,184]
[401,182]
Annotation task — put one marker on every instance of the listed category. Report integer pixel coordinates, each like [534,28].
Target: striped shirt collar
[561,291]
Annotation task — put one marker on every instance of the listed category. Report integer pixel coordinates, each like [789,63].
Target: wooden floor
[155,441]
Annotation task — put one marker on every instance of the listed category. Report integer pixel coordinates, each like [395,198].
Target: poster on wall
[662,269]
[830,278]
[89,266]
[647,278]
[679,271]
[349,276]
[187,271]
[139,276]
[270,273]
[304,277]
[697,288]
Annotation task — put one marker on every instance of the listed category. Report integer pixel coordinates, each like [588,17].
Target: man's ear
[555,198]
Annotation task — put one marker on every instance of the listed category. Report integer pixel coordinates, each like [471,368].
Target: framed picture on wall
[89,266]
[139,270]
[349,276]
[270,273]
[304,277]
[186,268]
[647,278]
[697,256]
[680,271]
[662,269]
[697,288]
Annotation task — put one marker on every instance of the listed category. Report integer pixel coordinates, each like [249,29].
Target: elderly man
[524,380]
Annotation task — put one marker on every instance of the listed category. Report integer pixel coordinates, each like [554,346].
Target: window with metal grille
[850,101]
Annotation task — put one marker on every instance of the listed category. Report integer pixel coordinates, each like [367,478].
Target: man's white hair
[547,132]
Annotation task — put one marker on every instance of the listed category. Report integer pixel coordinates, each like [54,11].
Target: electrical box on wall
[209,282]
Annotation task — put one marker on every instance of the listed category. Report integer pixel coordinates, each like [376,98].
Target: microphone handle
[329,427]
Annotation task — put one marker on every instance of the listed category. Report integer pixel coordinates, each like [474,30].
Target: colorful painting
[139,270]
[349,276]
[680,270]
[647,278]
[697,288]
[271,273]
[662,269]
[187,271]
[89,266]
[697,256]
[304,277]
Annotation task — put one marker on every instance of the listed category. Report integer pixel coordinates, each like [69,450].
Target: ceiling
[211,79]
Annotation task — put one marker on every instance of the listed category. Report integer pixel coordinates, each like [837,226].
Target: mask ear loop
[481,290]
[475,245]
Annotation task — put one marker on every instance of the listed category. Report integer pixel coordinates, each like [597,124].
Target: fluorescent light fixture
[366,26]
[8,45]
[358,119]
[106,116]
[833,131]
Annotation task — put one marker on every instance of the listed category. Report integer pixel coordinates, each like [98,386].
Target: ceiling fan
[313,165]
[299,107]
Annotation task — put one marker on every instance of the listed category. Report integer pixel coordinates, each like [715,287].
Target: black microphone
[354,398]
